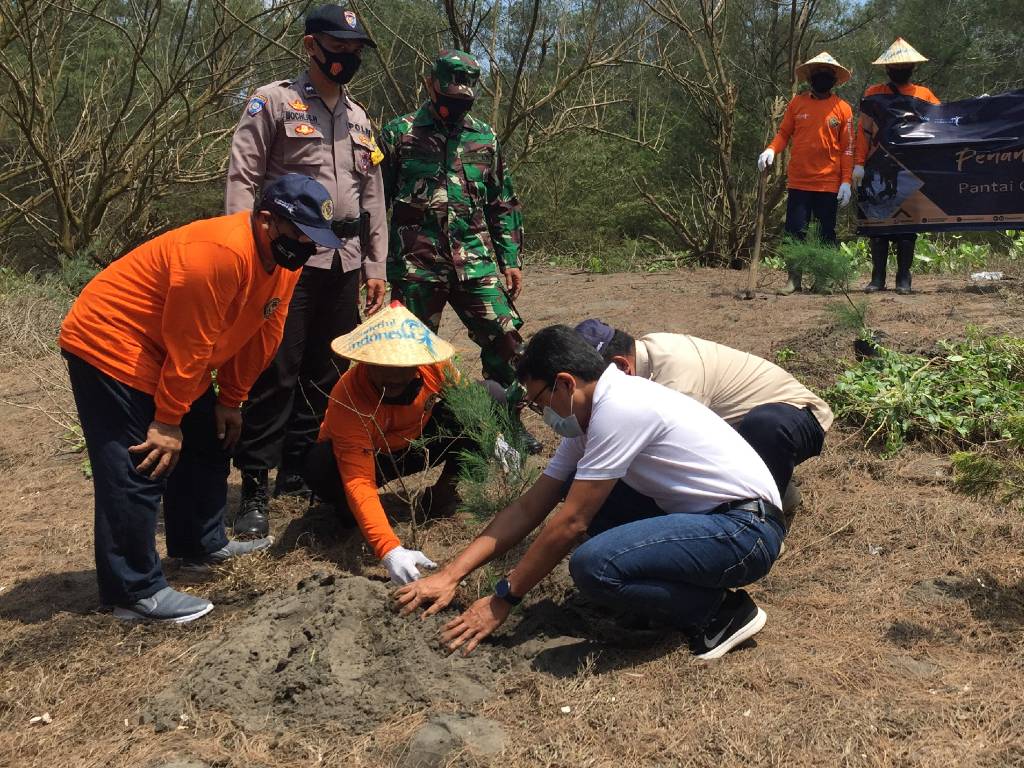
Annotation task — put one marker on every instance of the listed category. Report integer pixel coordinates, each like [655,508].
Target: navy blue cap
[337,22]
[595,333]
[305,203]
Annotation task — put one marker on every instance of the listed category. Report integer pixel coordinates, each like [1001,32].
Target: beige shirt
[287,128]
[729,382]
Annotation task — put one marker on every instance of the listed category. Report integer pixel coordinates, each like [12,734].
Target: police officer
[455,221]
[310,125]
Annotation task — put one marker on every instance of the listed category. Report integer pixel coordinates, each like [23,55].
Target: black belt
[357,227]
[758,506]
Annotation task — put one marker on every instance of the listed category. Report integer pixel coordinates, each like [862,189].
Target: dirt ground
[896,615]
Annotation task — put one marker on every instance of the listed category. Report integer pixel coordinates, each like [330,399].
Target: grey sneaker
[234,548]
[167,605]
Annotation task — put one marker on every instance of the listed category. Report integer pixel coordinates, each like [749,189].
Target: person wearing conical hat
[375,412]
[899,61]
[820,126]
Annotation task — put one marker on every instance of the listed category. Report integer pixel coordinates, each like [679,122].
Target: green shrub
[970,393]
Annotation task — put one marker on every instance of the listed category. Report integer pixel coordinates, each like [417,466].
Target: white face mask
[566,426]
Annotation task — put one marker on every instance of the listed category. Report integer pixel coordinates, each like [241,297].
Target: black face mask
[291,253]
[407,395]
[338,67]
[899,75]
[822,82]
[452,109]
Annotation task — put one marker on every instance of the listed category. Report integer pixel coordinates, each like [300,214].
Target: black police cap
[337,22]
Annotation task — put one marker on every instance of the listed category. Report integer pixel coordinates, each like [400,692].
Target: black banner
[942,167]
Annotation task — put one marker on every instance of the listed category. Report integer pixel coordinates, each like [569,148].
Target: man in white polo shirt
[680,510]
[781,418]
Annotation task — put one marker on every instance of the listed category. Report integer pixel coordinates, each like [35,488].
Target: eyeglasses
[536,407]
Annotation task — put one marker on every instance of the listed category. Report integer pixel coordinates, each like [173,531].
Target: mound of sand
[329,649]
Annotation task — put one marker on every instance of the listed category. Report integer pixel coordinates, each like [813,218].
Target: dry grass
[894,638]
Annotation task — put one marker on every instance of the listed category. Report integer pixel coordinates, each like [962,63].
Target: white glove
[401,564]
[844,194]
[858,174]
[765,159]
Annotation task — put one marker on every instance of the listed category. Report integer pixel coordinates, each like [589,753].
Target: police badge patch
[298,105]
[269,307]
[256,105]
[327,209]
[350,19]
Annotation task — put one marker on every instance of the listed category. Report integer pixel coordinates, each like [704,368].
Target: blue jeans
[113,417]
[674,568]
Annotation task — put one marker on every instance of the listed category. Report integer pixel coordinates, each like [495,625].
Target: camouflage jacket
[451,198]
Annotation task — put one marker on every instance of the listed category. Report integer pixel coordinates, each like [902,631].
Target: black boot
[904,260]
[879,260]
[252,519]
[291,483]
[793,285]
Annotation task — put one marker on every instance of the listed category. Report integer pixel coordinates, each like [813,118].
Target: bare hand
[375,290]
[229,425]
[514,282]
[479,620]
[435,591]
[162,447]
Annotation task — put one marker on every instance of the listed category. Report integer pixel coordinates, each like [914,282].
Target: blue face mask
[566,426]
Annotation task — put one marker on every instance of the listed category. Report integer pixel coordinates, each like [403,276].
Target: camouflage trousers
[484,308]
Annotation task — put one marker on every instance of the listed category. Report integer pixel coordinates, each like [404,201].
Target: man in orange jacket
[899,61]
[820,125]
[141,343]
[385,419]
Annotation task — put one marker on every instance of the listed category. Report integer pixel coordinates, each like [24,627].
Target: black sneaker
[291,484]
[738,620]
[252,520]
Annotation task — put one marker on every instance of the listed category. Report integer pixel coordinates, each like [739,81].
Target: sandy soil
[896,616]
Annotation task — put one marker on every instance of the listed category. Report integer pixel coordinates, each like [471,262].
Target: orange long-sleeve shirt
[822,134]
[358,425]
[166,314]
[866,126]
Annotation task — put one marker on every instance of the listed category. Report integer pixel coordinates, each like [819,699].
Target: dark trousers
[281,419]
[440,444]
[802,206]
[783,436]
[114,417]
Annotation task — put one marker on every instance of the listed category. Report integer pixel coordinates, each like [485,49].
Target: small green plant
[971,393]
[989,472]
[496,474]
[829,267]
[784,355]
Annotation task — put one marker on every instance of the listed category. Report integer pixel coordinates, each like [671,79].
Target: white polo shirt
[664,445]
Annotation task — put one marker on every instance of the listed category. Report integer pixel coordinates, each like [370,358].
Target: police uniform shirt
[286,127]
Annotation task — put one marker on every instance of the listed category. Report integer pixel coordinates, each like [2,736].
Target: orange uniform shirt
[866,126]
[358,425]
[821,131]
[194,299]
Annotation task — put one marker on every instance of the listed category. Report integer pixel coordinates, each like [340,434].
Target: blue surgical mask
[566,426]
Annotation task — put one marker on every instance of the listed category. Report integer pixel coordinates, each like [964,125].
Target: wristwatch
[503,591]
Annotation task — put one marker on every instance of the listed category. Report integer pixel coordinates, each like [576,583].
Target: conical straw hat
[393,337]
[803,72]
[900,52]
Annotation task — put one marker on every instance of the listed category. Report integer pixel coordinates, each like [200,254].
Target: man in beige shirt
[309,125]
[777,415]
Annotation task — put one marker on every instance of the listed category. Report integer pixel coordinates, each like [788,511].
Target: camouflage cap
[457,73]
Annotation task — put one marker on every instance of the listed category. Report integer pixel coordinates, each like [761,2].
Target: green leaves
[970,394]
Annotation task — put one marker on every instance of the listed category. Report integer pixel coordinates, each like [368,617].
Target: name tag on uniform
[302,131]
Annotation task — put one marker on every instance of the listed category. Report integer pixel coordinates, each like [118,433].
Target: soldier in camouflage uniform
[456,225]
